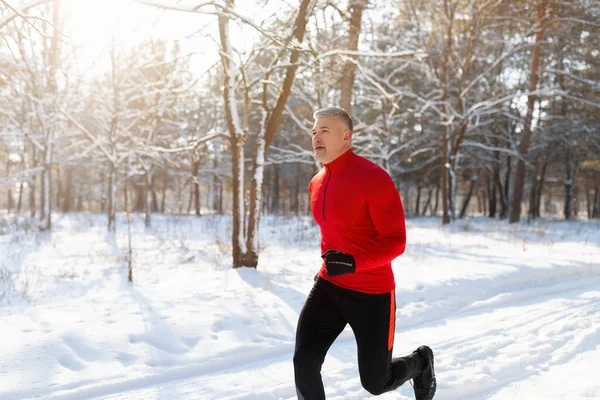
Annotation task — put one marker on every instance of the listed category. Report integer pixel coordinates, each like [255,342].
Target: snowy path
[504,337]
[511,313]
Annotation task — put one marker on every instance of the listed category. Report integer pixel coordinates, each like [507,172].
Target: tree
[519,179]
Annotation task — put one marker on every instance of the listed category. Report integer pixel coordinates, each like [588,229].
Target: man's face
[330,138]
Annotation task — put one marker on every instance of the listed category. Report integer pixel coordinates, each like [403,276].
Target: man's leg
[373,321]
[319,324]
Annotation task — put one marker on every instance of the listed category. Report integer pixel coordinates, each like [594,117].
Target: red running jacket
[359,211]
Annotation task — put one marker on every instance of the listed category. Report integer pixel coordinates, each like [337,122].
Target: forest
[474,107]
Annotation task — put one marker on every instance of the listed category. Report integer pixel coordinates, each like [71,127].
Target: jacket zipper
[325,195]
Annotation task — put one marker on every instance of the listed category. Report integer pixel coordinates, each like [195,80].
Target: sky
[90,25]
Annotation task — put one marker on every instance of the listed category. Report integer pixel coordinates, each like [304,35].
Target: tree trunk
[238,237]
[266,134]
[140,196]
[405,187]
[444,183]
[59,187]
[9,194]
[190,196]
[428,202]
[179,196]
[67,203]
[129,246]
[434,210]
[196,185]
[418,201]
[32,186]
[164,190]
[504,189]
[532,194]
[237,138]
[47,218]
[111,199]
[481,201]
[356,8]
[463,210]
[596,206]
[20,198]
[482,196]
[251,256]
[492,200]
[444,178]
[220,205]
[215,186]
[154,195]
[275,191]
[149,178]
[46,223]
[519,179]
[571,171]
[540,187]
[42,189]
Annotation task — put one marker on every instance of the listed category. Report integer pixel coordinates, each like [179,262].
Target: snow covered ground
[511,311]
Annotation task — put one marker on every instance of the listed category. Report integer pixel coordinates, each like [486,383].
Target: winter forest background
[473,107]
[143,143]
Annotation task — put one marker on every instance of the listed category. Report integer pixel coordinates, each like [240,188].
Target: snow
[511,311]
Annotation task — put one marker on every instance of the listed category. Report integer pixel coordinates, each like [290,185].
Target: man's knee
[374,386]
[306,361]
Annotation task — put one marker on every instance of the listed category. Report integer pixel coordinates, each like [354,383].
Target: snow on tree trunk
[444,178]
[32,184]
[49,124]
[445,183]
[236,139]
[251,258]
[47,218]
[196,183]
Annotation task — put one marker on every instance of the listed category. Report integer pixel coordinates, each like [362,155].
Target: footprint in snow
[126,359]
[70,362]
[80,347]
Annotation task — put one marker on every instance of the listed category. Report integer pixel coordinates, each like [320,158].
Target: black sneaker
[424,383]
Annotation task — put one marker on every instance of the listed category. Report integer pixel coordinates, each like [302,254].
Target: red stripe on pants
[392,324]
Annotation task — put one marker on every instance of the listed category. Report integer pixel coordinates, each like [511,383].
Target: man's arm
[387,213]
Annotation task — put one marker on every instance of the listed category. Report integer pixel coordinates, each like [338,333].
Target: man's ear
[347,134]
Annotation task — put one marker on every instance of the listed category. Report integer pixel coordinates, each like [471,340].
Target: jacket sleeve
[387,213]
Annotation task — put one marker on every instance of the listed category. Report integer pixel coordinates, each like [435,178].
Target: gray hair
[335,112]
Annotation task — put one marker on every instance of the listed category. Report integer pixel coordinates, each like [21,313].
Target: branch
[572,76]
[34,141]
[296,154]
[417,54]
[469,143]
[27,18]
[191,147]
[90,135]
[577,20]
[588,102]
[21,13]
[296,120]
[225,10]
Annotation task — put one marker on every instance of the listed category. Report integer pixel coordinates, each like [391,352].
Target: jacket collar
[339,163]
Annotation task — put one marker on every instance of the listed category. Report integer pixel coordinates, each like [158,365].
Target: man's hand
[338,263]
